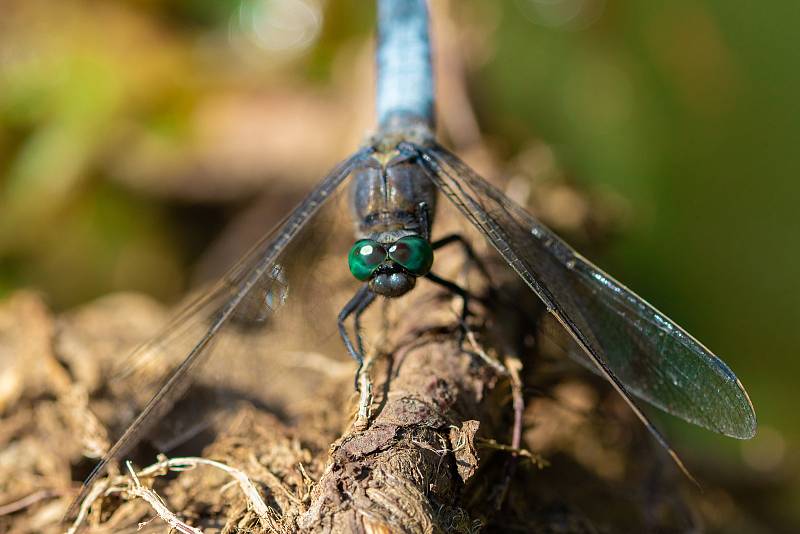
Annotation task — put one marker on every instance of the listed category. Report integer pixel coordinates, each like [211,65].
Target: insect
[396,179]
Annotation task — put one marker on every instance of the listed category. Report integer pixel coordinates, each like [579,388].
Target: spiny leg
[355,306]
[357,320]
[469,252]
[494,292]
[461,292]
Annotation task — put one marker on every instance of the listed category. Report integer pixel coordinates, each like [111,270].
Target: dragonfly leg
[469,252]
[355,306]
[461,292]
[370,298]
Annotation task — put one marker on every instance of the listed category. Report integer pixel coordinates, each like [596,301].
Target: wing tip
[747,431]
[742,434]
[745,426]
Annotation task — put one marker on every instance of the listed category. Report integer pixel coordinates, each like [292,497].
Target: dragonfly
[395,180]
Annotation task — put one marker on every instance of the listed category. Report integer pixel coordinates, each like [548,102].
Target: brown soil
[434,457]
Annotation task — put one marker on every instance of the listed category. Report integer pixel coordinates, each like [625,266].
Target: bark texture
[405,471]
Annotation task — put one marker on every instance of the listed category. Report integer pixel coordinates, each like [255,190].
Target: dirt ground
[436,455]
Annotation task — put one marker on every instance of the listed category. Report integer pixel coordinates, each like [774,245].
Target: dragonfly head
[391,269]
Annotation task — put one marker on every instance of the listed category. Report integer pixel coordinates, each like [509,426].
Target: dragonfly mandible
[396,178]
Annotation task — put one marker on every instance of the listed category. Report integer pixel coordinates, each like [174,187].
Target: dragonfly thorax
[388,193]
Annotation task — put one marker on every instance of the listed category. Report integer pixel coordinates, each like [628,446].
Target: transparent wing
[247,296]
[636,347]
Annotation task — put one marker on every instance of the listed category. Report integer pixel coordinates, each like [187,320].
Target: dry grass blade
[136,489]
[159,506]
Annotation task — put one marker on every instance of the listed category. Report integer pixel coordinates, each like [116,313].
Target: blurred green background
[134,133]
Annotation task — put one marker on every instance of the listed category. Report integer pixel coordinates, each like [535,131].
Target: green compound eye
[413,253]
[365,256]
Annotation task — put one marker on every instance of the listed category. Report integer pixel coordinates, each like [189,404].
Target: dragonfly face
[391,268]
